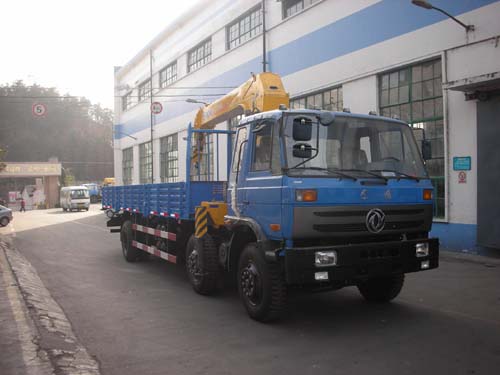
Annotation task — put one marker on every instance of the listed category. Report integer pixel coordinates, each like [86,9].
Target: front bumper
[359,262]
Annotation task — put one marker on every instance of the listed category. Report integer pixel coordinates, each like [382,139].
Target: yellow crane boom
[262,92]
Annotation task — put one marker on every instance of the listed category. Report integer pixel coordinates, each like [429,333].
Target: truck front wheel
[130,253]
[261,285]
[382,289]
[202,264]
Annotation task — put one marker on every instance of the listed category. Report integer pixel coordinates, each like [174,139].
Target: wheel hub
[250,282]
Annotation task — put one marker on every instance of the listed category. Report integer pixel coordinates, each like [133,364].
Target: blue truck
[314,199]
[94,192]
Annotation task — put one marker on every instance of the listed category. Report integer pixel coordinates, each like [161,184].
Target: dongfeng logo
[375,220]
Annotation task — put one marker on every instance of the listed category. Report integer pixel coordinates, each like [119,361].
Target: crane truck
[313,199]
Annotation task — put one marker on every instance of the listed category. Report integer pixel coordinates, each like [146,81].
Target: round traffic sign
[39,109]
[156,108]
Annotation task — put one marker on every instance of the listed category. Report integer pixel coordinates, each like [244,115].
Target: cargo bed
[177,199]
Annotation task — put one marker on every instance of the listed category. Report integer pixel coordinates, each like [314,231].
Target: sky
[73,45]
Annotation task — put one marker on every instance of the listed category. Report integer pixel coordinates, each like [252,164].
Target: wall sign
[462,163]
[462,177]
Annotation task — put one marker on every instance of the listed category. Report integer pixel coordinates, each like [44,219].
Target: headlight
[422,250]
[325,258]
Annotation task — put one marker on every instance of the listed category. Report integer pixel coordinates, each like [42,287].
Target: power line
[115,96]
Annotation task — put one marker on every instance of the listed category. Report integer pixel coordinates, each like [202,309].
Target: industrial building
[390,56]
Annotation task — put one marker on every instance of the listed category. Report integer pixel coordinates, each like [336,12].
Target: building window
[200,55]
[127,165]
[145,163]
[203,170]
[415,95]
[169,157]
[244,28]
[291,7]
[330,100]
[127,101]
[168,75]
[144,90]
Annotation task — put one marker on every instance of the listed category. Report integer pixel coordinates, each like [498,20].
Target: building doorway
[488,172]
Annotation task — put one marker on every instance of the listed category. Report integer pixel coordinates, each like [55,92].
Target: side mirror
[302,150]
[326,118]
[426,149]
[302,129]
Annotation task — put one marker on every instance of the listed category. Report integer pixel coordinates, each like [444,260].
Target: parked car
[5,216]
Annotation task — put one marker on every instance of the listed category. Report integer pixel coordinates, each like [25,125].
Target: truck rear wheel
[261,285]
[202,264]
[130,253]
[382,289]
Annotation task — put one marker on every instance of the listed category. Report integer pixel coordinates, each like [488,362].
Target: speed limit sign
[38,109]
[156,108]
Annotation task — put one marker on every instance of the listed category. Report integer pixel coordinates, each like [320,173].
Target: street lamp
[128,135]
[194,101]
[426,5]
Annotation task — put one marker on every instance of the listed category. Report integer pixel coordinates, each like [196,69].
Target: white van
[75,198]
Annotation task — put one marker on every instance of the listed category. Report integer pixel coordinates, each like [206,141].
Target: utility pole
[264,52]
[151,118]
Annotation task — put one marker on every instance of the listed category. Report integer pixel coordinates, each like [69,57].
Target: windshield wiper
[367,172]
[338,173]
[400,174]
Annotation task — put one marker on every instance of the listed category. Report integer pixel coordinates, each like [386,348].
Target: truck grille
[351,220]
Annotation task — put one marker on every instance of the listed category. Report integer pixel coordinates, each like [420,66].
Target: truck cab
[333,198]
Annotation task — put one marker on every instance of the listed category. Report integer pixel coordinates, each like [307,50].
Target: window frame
[251,32]
[145,163]
[436,121]
[168,80]
[303,100]
[169,158]
[127,101]
[127,165]
[202,57]
[288,4]
[144,92]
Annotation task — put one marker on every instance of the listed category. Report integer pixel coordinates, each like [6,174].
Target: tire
[4,221]
[130,253]
[261,285]
[65,209]
[202,264]
[382,290]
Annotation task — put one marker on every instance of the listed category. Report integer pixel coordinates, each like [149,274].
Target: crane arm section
[263,92]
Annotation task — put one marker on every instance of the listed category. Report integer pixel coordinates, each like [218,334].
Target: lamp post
[126,134]
[194,101]
[151,112]
[426,5]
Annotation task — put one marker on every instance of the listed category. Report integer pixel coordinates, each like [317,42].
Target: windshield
[79,194]
[356,147]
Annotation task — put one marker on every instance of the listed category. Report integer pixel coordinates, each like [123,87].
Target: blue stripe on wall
[456,237]
[377,23]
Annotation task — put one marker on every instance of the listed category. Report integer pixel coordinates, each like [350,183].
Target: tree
[74,130]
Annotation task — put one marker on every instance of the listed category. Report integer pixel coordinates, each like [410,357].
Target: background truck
[313,199]
[94,192]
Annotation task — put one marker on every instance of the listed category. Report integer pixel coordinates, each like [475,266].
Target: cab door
[236,193]
[263,186]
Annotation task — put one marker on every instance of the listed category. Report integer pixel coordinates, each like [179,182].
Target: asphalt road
[144,318]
